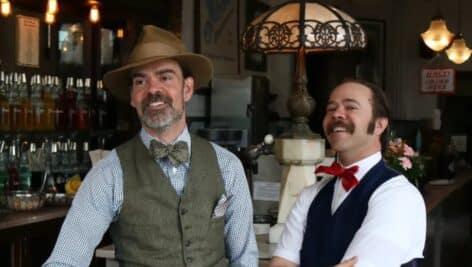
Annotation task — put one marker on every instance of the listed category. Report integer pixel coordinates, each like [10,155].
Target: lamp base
[298,158]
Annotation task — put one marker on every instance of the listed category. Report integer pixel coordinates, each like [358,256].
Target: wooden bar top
[434,194]
[11,219]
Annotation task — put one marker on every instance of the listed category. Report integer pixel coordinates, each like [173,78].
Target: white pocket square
[220,207]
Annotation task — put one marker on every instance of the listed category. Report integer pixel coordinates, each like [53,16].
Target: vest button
[189,259]
[188,243]
[183,211]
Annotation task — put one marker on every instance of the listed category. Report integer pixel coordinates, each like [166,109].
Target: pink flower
[405,162]
[408,151]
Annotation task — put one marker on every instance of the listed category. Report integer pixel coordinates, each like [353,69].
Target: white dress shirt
[393,231]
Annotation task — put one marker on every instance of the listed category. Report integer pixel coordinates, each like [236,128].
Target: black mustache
[348,126]
[156,97]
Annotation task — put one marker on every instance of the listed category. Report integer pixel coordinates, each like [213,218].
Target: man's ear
[380,125]
[188,88]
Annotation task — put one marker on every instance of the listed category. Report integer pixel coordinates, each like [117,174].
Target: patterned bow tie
[177,153]
[347,176]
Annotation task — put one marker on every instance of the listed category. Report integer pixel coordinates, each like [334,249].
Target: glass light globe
[437,37]
[458,52]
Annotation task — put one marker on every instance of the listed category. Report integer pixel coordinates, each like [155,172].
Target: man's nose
[155,85]
[338,113]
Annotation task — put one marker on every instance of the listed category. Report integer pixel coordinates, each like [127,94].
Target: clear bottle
[86,163]
[4,105]
[81,118]
[3,168]
[105,119]
[3,174]
[24,172]
[12,167]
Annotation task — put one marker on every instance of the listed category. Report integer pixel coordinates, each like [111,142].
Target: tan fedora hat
[156,44]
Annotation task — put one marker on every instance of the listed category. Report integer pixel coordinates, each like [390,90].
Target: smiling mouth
[336,128]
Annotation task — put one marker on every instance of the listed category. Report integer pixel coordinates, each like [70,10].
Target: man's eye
[139,82]
[166,77]
[330,108]
[351,107]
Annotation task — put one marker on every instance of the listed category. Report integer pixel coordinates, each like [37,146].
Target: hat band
[149,50]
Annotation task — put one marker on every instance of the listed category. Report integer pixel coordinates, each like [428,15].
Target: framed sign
[438,81]
[219,34]
[27,36]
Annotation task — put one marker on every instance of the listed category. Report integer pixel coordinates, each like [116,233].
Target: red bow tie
[347,176]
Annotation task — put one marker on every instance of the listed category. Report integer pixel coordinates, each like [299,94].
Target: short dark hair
[380,108]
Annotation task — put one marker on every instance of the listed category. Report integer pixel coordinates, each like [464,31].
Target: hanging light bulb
[49,18]
[437,37]
[53,7]
[458,52]
[5,7]
[94,14]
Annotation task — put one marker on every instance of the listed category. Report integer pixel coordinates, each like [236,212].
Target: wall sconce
[5,7]
[53,7]
[120,33]
[94,15]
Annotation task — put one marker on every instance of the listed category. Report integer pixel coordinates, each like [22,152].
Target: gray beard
[161,120]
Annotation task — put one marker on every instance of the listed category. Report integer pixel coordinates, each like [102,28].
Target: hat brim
[118,81]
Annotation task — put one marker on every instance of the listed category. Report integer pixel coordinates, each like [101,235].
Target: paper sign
[268,191]
[438,81]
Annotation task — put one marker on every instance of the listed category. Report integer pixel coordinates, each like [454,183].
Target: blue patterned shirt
[99,200]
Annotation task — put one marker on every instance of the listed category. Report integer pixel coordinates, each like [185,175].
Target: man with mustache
[168,198]
[365,214]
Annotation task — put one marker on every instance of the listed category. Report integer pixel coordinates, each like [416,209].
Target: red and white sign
[438,81]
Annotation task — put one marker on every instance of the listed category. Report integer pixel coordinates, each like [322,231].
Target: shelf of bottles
[47,129]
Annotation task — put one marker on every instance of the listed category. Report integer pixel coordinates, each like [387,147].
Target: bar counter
[27,237]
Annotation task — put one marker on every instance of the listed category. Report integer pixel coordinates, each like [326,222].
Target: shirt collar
[366,164]
[184,136]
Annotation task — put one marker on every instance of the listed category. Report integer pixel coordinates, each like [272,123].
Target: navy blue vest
[327,236]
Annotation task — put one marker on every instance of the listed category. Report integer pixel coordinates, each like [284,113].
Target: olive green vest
[156,227]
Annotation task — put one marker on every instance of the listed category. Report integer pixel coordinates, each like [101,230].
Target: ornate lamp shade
[437,37]
[458,52]
[325,28]
[302,27]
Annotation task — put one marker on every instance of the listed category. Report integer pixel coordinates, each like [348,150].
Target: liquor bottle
[105,118]
[70,100]
[26,109]
[12,168]
[60,105]
[85,164]
[3,169]
[39,114]
[90,103]
[3,174]
[14,103]
[49,103]
[81,118]
[24,172]
[4,106]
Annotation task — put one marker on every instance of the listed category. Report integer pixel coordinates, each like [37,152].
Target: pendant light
[437,36]
[5,8]
[458,52]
